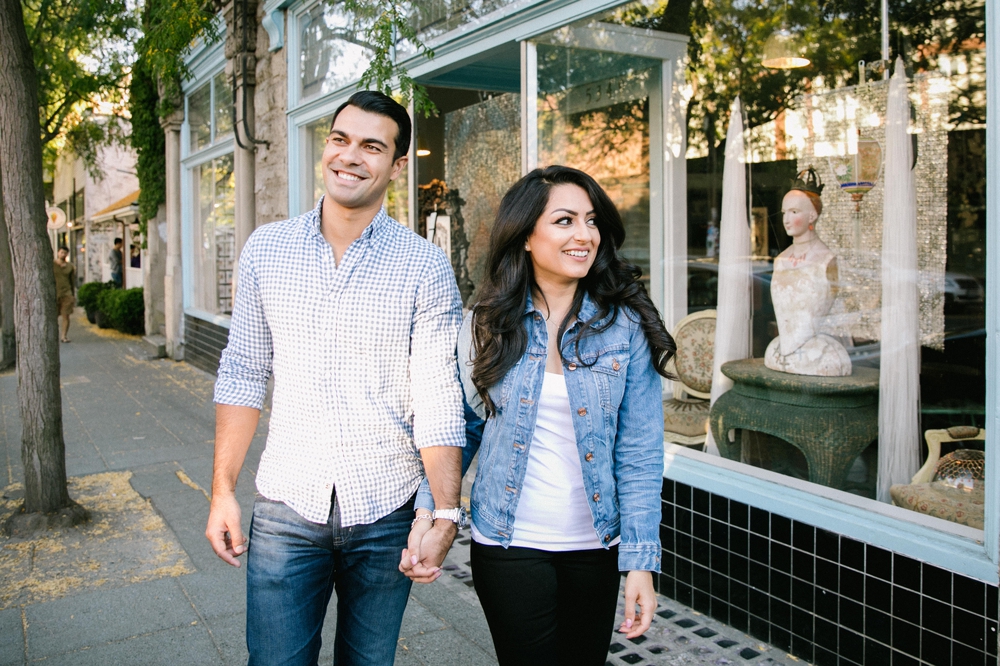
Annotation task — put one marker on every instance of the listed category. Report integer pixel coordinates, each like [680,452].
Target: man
[357,318]
[115,259]
[65,274]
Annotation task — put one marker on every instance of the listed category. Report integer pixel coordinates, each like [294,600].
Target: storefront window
[214,239]
[199,117]
[832,358]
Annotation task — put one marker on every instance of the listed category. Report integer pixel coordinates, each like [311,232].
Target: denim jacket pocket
[610,370]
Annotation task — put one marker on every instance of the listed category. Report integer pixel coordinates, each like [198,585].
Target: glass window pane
[200,117]
[593,114]
[819,265]
[333,52]
[314,142]
[223,105]
[214,246]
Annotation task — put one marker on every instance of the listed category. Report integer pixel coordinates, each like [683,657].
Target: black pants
[548,607]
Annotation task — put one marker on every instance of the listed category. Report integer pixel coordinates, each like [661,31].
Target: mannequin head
[800,210]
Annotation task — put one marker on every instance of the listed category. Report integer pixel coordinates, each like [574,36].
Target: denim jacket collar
[587,310]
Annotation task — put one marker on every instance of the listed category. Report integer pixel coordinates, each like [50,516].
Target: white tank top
[552,511]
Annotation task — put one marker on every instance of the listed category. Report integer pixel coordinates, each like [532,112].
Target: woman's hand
[638,590]
[411,556]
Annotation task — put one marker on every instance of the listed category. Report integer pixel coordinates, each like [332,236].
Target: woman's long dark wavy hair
[499,335]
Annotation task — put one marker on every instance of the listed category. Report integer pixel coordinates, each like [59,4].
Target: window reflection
[223,103]
[200,117]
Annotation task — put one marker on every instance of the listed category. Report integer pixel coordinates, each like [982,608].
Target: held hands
[426,548]
[638,590]
[223,530]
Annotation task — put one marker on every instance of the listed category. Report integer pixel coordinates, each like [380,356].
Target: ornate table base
[831,420]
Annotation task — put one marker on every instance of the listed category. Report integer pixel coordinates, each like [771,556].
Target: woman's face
[797,213]
[564,242]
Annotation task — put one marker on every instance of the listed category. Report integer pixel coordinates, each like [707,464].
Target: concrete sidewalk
[154,419]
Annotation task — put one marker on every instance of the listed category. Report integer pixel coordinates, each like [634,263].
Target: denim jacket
[616,404]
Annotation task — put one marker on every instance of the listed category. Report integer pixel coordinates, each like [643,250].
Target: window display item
[685,415]
[831,420]
[952,487]
[803,288]
[899,390]
[732,334]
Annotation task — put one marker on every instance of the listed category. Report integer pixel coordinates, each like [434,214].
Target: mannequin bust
[803,288]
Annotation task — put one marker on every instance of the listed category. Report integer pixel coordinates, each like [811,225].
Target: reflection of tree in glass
[727,39]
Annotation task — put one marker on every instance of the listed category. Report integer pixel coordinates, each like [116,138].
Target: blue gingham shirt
[363,357]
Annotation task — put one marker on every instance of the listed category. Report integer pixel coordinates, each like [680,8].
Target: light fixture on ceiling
[781,51]
[422,149]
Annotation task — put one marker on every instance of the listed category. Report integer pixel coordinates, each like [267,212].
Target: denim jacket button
[589,457]
[597,497]
[607,538]
[582,411]
[615,366]
[571,366]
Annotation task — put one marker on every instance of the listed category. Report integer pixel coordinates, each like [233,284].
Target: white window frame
[205,62]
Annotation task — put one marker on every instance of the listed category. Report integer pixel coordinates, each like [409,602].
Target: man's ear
[398,166]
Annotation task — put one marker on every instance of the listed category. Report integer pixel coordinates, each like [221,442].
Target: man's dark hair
[117,240]
[375,102]
[63,247]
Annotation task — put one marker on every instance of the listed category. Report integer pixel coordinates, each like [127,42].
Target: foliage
[387,25]
[169,28]
[124,309]
[82,59]
[149,142]
[88,293]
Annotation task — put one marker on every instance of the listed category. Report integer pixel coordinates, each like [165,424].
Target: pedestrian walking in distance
[115,260]
[561,362]
[356,318]
[65,274]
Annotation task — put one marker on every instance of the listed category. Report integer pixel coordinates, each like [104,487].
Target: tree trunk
[7,354]
[42,448]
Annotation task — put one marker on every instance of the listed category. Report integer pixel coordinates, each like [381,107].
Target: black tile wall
[203,343]
[823,597]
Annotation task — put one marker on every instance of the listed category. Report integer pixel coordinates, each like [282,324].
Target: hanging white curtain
[732,326]
[899,381]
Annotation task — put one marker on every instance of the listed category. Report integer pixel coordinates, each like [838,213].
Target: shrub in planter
[86,298]
[124,309]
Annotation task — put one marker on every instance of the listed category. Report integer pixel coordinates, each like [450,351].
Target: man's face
[62,254]
[357,161]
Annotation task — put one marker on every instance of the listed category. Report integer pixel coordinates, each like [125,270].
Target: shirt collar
[371,232]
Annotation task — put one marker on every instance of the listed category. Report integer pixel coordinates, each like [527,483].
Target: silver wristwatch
[456,515]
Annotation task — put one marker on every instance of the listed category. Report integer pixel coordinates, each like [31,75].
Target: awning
[121,210]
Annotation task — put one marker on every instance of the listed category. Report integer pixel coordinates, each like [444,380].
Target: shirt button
[571,366]
[582,411]
[597,497]
[615,366]
[607,538]
[589,457]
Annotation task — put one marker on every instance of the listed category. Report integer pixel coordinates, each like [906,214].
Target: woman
[567,489]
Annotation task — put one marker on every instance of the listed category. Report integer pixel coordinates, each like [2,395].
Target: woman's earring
[811,227]
[526,248]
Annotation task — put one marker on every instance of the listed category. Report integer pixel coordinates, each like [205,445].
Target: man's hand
[224,531]
[427,549]
[638,589]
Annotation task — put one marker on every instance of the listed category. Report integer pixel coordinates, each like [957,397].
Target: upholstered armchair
[685,415]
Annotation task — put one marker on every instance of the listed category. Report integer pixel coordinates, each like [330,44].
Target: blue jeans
[294,566]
